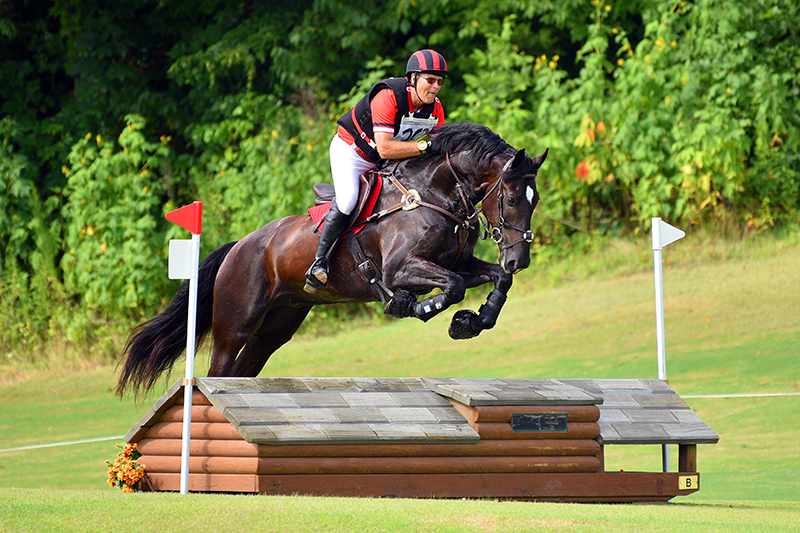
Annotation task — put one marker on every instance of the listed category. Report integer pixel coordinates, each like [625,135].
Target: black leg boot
[317,275]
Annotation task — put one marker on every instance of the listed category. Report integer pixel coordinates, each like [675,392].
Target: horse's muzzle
[514,265]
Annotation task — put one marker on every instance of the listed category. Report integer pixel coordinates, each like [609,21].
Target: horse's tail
[154,346]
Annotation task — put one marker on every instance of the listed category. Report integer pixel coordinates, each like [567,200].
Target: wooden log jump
[413,437]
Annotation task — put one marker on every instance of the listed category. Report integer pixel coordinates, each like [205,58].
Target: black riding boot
[317,275]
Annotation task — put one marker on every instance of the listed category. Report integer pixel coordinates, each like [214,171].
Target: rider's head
[428,62]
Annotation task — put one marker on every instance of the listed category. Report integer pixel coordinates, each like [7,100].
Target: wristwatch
[423,147]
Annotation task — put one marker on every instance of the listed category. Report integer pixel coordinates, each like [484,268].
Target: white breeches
[346,167]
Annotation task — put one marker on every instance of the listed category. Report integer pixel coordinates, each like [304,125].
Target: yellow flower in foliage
[666,100]
[88,136]
[620,61]
[584,139]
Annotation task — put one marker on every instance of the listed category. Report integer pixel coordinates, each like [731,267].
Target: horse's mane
[482,143]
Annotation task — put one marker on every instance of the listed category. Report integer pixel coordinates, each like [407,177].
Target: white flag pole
[188,382]
[184,263]
[662,359]
[663,234]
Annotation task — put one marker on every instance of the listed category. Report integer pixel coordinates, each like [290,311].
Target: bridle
[411,200]
[494,231]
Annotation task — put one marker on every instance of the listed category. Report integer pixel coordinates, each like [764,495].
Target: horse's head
[509,207]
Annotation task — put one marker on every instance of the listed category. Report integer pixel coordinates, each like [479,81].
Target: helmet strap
[414,85]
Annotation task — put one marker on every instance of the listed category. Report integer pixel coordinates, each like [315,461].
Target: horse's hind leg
[277,329]
[231,335]
[240,304]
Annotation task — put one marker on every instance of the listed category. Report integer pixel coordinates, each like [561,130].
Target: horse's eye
[512,201]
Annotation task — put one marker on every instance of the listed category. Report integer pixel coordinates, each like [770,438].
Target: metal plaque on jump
[548,422]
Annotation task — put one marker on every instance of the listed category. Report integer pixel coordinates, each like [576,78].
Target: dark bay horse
[250,292]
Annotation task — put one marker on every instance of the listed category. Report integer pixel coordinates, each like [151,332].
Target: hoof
[460,328]
[401,305]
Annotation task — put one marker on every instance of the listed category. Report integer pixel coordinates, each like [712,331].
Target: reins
[411,200]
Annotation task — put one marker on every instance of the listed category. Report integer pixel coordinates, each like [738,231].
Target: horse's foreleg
[404,304]
[418,277]
[467,324]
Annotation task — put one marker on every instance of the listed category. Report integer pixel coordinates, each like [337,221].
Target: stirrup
[317,276]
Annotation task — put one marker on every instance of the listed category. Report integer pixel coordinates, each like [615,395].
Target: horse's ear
[539,159]
[515,161]
[519,158]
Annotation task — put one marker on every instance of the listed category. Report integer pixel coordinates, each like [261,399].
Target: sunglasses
[433,81]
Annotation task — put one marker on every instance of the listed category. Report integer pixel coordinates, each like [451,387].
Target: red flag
[189,217]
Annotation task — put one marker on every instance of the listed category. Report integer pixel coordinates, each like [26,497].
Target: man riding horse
[383,125]
[253,294]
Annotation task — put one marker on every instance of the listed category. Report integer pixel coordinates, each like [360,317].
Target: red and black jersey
[387,108]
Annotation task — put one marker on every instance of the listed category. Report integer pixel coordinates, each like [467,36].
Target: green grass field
[732,327]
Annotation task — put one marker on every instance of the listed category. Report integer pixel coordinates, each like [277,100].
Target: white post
[663,234]
[662,359]
[188,381]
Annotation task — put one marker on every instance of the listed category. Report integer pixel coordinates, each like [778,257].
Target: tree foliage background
[113,113]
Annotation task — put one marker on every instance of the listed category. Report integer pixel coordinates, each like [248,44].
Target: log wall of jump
[306,437]
[218,448]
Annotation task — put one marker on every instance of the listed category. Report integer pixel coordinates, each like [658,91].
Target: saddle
[369,190]
[370,184]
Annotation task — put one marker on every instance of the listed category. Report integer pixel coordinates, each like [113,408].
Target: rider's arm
[384,110]
[389,148]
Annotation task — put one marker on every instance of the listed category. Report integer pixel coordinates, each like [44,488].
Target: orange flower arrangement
[125,472]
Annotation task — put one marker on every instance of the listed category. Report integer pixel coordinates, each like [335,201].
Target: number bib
[413,128]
